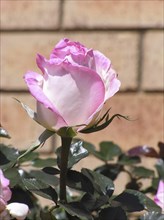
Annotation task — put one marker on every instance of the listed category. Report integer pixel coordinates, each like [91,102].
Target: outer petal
[102,62]
[43,62]
[114,84]
[108,75]
[35,84]
[76,91]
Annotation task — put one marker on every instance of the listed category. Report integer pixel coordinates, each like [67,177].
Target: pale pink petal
[76,91]
[102,62]
[107,73]
[35,83]
[18,210]
[5,192]
[113,84]
[69,50]
[4,181]
[42,63]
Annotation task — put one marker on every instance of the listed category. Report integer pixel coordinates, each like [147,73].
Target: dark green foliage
[94,199]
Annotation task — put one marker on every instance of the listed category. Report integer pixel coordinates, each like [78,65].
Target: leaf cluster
[90,193]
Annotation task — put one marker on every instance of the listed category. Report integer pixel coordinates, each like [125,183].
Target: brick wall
[129,32]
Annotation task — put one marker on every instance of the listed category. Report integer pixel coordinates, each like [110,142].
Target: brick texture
[146,126]
[22,129]
[29,14]
[113,13]
[153,61]
[113,44]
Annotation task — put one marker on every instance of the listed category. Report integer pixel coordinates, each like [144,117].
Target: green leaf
[142,172]
[112,213]
[90,147]
[4,133]
[46,215]
[8,156]
[155,182]
[38,143]
[59,214]
[79,181]
[110,170]
[28,157]
[44,177]
[40,188]
[76,209]
[108,150]
[128,160]
[161,149]
[160,168]
[76,153]
[44,162]
[13,175]
[128,201]
[51,170]
[91,202]
[132,200]
[102,184]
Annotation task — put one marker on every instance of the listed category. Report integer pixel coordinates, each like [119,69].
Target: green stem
[66,143]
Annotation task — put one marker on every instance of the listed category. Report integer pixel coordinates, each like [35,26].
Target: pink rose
[75,84]
[159,197]
[5,192]
[16,210]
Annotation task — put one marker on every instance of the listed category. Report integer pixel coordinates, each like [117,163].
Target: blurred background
[129,32]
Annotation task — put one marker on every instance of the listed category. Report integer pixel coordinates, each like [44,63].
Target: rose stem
[66,143]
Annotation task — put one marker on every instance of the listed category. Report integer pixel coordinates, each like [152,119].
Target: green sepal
[98,126]
[66,132]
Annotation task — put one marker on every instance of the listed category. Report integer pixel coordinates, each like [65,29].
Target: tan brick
[25,46]
[29,14]
[153,64]
[145,128]
[113,13]
[22,129]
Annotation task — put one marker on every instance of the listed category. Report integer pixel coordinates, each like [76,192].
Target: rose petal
[4,181]
[107,73]
[76,91]
[65,47]
[5,192]
[18,210]
[35,83]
